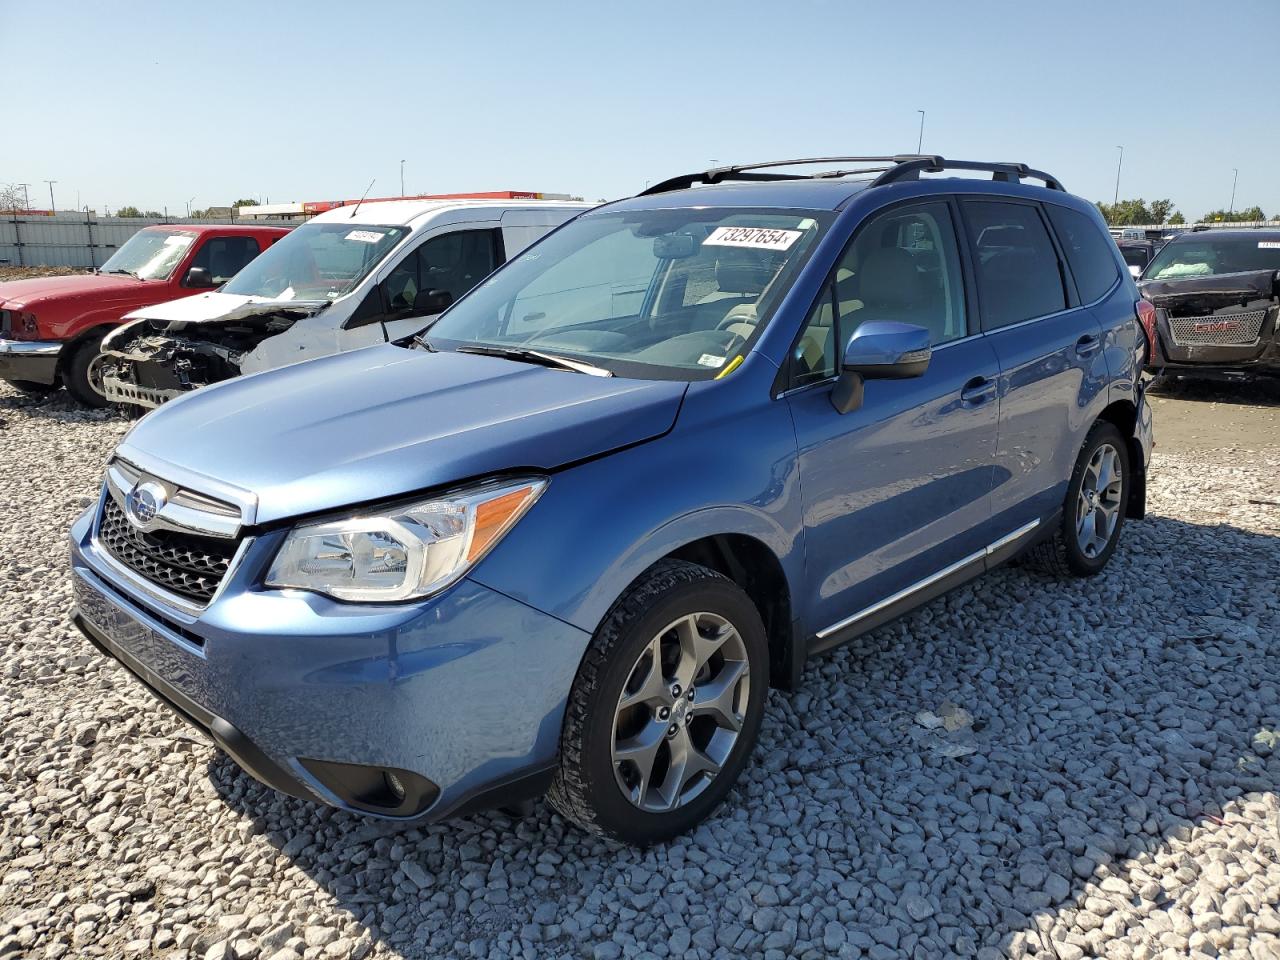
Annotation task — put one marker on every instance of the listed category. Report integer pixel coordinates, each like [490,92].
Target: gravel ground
[1022,768]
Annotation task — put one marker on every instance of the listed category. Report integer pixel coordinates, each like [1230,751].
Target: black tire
[75,372]
[33,388]
[585,788]
[1062,555]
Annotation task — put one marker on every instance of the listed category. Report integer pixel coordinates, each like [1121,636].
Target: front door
[898,490]
[453,262]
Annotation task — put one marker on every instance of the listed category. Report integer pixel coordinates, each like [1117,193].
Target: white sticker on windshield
[1269,244]
[708,360]
[761,238]
[365,236]
[182,239]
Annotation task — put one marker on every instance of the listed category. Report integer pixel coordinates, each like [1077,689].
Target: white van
[358,275]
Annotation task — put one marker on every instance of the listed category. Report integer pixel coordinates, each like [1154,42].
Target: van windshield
[670,294]
[316,261]
[150,254]
[1206,255]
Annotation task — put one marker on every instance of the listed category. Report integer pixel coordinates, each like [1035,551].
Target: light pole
[53,207]
[1116,200]
[402,178]
[1235,175]
[26,199]
[189,208]
[920,139]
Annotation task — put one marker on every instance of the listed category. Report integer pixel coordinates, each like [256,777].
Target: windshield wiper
[131,273]
[537,356]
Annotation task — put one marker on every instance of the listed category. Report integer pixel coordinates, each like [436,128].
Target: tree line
[1129,212]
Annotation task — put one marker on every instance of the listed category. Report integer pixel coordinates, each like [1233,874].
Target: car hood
[204,307]
[1197,296]
[97,286]
[387,421]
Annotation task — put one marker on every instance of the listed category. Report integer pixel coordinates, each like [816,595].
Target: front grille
[1219,329]
[187,564]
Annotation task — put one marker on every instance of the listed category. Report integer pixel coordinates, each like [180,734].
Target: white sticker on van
[1269,244]
[762,238]
[365,236]
[709,360]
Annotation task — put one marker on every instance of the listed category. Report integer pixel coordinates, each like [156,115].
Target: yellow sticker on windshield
[760,238]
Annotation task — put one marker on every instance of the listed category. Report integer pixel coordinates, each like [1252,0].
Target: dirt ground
[1199,415]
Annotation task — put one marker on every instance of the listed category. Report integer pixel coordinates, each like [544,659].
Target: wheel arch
[1124,415]
[750,564]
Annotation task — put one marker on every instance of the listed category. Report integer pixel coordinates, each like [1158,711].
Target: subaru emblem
[143,503]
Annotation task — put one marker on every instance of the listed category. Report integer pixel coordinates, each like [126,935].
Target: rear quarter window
[1089,252]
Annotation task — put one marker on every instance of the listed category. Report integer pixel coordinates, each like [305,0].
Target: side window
[224,257]
[903,265]
[455,262]
[1088,250]
[1017,266]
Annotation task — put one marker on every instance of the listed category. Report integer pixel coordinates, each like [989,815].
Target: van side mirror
[879,350]
[431,301]
[198,277]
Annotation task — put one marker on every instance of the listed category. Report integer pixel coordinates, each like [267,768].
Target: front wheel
[82,373]
[666,707]
[1093,512]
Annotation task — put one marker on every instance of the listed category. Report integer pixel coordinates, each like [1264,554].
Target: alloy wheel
[1098,503]
[680,712]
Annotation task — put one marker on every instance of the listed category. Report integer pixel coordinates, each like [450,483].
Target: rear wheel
[82,372]
[30,386]
[1093,512]
[666,707]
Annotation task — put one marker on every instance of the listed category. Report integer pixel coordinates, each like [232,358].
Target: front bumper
[33,360]
[465,692]
[1258,354]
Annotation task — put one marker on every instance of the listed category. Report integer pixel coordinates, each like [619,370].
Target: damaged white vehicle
[355,276]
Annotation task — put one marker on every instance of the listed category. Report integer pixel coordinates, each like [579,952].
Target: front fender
[727,467]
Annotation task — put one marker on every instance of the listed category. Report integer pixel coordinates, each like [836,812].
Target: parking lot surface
[1024,767]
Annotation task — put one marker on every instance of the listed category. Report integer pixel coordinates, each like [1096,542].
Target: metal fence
[81,240]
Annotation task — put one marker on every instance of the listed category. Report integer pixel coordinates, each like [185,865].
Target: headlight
[403,552]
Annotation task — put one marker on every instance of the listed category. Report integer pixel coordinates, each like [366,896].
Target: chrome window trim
[930,580]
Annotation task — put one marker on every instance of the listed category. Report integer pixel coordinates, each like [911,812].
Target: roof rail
[891,169]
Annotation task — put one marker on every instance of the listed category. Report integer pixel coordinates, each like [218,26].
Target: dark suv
[566,538]
[1217,299]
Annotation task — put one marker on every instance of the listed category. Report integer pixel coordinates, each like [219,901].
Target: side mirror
[431,301]
[1135,271]
[198,277]
[880,350]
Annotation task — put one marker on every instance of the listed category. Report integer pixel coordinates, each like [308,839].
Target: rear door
[897,491]
[1050,350]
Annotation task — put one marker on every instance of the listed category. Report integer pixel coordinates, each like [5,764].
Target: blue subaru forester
[564,540]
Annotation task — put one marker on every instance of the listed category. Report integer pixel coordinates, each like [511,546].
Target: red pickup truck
[51,327]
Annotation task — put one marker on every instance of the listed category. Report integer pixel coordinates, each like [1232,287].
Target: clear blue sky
[150,103]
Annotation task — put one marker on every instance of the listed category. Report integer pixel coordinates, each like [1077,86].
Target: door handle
[1088,345]
[978,391]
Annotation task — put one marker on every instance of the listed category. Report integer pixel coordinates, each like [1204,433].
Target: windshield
[317,261]
[151,254]
[671,294]
[1206,256]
